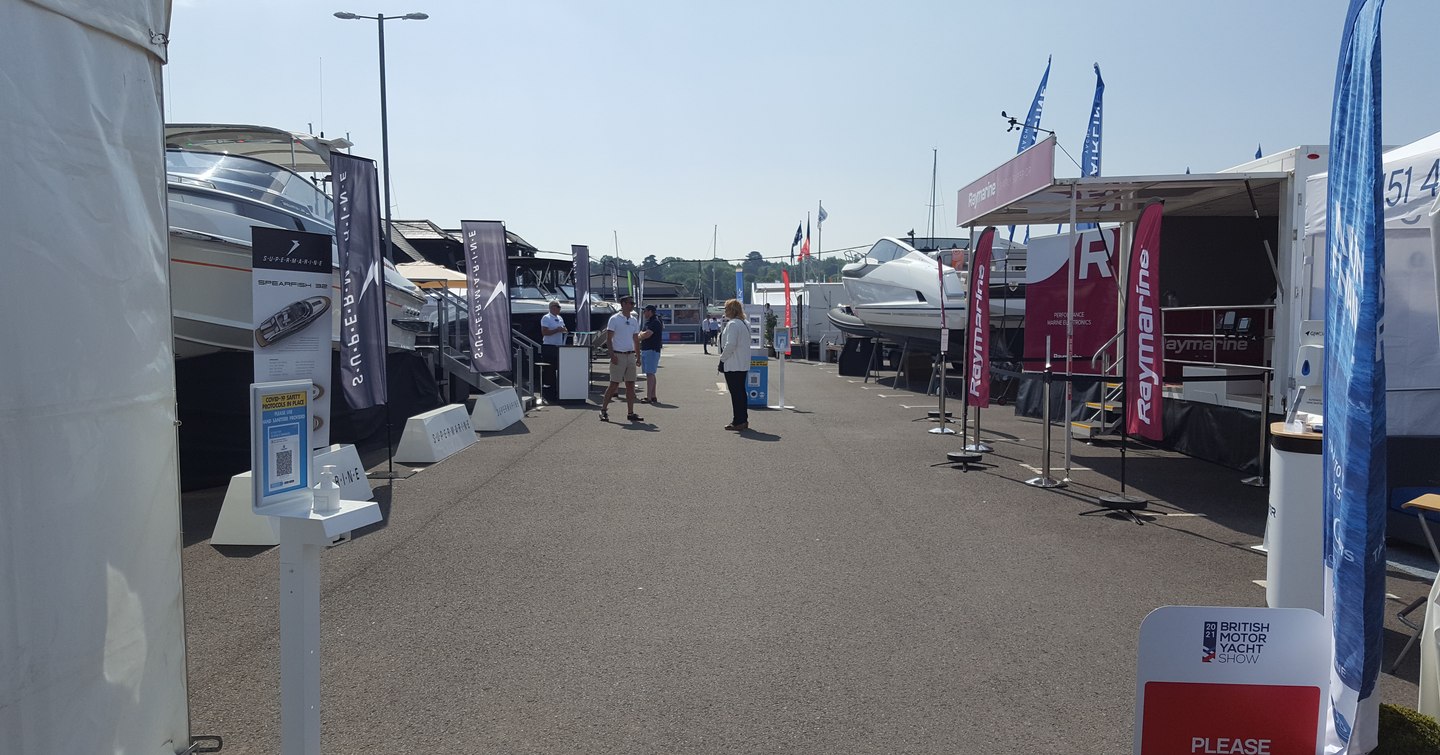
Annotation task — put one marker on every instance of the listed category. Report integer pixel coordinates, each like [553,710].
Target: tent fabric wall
[92,653]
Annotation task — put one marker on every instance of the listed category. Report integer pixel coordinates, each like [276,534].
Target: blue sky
[577,121]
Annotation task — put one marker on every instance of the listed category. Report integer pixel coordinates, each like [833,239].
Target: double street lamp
[380,20]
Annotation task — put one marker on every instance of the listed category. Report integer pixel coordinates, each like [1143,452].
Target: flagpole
[1070,328]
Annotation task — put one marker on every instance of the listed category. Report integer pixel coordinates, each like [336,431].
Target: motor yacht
[895,289]
[215,198]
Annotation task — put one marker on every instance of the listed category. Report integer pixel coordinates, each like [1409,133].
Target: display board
[292,299]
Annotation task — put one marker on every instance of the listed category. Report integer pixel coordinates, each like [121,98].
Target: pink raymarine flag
[977,330]
[1144,366]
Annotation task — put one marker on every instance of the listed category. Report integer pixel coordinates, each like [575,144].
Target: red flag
[1144,334]
[977,330]
[785,276]
[805,247]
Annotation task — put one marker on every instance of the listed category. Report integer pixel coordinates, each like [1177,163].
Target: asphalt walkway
[814,585]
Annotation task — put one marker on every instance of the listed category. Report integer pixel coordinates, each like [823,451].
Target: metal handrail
[1101,351]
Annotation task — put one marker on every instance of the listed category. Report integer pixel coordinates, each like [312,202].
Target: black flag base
[1125,505]
[963,458]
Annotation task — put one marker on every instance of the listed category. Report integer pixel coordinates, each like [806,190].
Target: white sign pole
[299,640]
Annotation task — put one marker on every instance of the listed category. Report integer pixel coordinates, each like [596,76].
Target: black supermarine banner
[489,301]
[581,254]
[362,281]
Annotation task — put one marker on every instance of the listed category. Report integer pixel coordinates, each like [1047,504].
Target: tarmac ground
[821,583]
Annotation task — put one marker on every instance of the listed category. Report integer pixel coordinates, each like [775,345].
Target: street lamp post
[380,20]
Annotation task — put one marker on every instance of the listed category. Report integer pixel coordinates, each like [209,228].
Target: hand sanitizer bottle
[327,492]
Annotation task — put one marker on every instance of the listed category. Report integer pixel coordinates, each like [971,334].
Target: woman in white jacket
[735,362]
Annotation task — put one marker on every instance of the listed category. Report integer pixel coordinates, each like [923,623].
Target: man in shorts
[651,336]
[622,335]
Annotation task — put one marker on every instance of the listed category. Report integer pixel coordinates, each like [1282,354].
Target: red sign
[978,329]
[1144,335]
[1229,719]
[1096,296]
[1225,336]
[1024,174]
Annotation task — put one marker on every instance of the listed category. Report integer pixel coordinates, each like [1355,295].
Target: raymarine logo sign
[986,192]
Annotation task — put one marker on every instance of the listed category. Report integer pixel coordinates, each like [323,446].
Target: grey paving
[814,585]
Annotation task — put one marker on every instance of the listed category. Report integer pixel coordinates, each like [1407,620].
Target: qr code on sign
[284,462]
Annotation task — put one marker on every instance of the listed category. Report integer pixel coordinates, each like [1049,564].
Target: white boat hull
[210,298]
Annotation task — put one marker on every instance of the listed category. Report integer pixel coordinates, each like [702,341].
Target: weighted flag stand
[978,446]
[1121,502]
[943,416]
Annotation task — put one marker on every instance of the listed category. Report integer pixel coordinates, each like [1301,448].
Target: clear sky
[577,121]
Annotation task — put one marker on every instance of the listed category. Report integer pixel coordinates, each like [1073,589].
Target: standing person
[622,335]
[711,327]
[552,337]
[651,339]
[552,326]
[735,362]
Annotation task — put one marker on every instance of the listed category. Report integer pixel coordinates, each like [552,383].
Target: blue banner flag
[739,285]
[799,234]
[1032,123]
[1354,448]
[1090,154]
[820,217]
[362,281]
[1258,153]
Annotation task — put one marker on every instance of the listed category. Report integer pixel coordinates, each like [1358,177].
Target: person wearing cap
[650,341]
[622,336]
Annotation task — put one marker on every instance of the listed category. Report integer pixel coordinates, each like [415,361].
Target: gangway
[451,355]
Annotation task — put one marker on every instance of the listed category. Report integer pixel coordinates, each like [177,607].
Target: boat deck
[812,585]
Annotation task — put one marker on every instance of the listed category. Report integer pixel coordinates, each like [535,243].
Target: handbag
[720,367]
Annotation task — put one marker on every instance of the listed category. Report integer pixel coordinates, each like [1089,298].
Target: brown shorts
[623,369]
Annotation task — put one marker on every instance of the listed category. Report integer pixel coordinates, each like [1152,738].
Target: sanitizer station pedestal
[303,535]
[782,344]
[310,516]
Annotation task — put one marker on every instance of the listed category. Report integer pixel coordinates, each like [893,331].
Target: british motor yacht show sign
[581,254]
[1230,681]
[977,341]
[1096,293]
[1022,175]
[291,306]
[1144,339]
[362,281]
[489,301]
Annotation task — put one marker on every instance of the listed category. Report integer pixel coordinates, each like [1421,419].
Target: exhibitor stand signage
[1231,681]
[293,310]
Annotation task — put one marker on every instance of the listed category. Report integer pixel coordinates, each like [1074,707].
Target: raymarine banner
[1144,353]
[581,253]
[1354,449]
[291,275]
[489,301]
[978,328]
[362,281]
[1096,294]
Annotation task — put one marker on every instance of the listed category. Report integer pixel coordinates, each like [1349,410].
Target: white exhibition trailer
[92,633]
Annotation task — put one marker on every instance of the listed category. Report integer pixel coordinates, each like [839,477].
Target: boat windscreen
[254,179]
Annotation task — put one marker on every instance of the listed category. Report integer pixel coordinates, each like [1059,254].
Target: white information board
[1231,680]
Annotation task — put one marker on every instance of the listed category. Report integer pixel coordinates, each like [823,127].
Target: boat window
[886,250]
[255,179]
[236,206]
